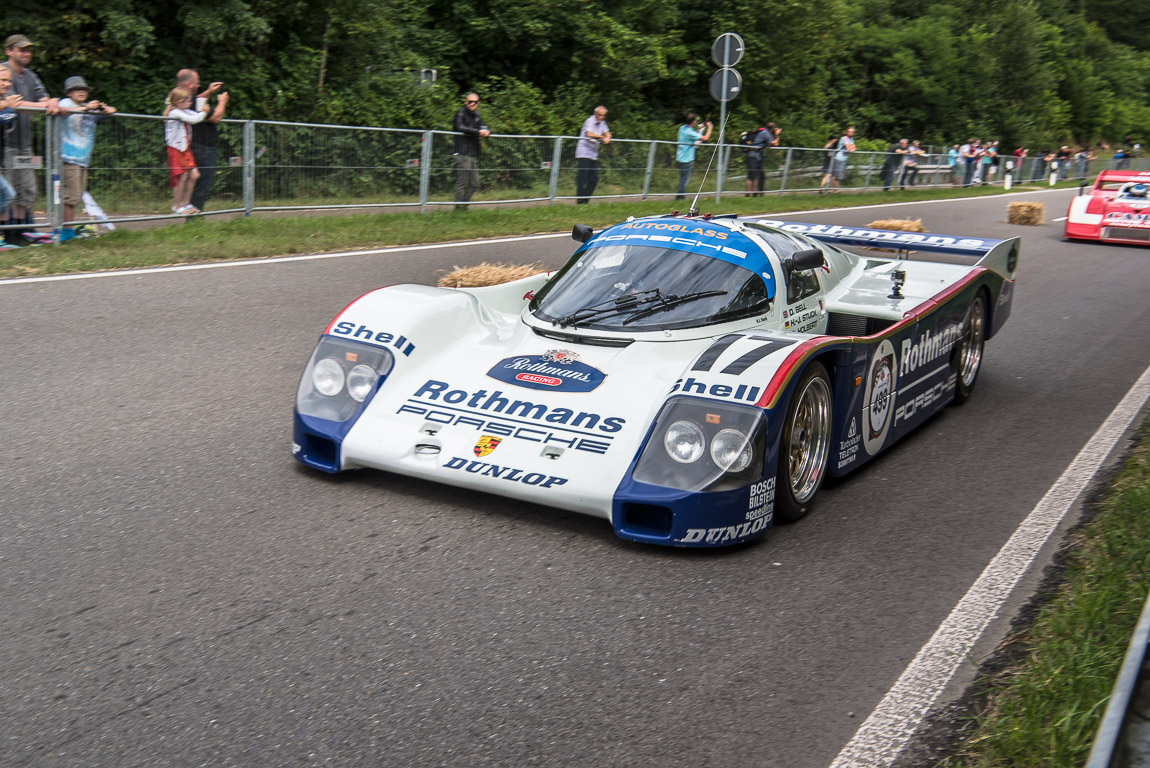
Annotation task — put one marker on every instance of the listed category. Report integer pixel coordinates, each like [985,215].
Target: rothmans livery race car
[691,380]
[1116,209]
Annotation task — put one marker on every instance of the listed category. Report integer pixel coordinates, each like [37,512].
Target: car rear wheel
[805,445]
[968,352]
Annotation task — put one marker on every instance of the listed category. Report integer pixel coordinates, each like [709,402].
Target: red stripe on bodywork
[803,352]
[335,319]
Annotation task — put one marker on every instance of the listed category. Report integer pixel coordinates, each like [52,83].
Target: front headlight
[340,376]
[684,442]
[731,451]
[360,380]
[328,377]
[704,445]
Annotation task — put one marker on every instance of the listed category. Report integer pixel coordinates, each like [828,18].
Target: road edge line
[892,724]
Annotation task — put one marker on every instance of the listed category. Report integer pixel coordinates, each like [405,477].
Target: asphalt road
[178,592]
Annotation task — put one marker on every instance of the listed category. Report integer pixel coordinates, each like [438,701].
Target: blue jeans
[684,178]
[6,196]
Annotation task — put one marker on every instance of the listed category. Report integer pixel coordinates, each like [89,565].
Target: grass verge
[204,239]
[1043,704]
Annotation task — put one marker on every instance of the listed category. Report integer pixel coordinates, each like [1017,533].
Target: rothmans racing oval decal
[556,371]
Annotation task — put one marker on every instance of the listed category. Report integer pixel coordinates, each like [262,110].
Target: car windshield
[643,288]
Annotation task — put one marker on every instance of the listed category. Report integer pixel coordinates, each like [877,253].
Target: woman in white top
[182,171]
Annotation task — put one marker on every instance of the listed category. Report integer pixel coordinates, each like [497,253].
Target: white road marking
[275,260]
[1061,218]
[432,246]
[884,734]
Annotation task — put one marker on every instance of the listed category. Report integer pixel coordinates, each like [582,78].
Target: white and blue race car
[689,379]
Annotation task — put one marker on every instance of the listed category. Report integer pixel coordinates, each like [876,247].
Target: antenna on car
[725,85]
[714,151]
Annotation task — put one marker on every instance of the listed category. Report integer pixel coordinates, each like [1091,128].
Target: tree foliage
[1039,72]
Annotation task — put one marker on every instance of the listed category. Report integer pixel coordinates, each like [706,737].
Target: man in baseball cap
[25,83]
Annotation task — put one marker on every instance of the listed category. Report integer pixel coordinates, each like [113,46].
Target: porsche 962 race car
[1115,210]
[691,380]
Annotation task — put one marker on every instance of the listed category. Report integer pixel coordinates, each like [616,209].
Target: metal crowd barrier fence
[264,165]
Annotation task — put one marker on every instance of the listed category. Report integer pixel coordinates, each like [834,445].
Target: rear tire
[968,351]
[805,445]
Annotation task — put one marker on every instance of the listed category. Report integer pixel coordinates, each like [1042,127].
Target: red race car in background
[1115,210]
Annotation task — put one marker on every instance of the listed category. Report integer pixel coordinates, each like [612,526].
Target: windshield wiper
[672,301]
[617,306]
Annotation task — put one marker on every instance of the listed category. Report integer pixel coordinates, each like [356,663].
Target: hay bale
[487,274]
[1032,214]
[899,225]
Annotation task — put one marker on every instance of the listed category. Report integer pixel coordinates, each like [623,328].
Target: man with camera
[205,134]
[76,146]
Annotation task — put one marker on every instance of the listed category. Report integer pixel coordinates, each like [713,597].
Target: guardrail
[278,166]
[1123,739]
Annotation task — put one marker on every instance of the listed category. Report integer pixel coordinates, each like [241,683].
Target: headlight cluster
[705,445]
[340,376]
[730,449]
[329,379]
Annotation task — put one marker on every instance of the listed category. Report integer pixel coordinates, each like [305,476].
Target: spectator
[892,163]
[1020,161]
[593,133]
[828,155]
[27,85]
[1041,161]
[979,154]
[985,170]
[205,135]
[1121,159]
[910,165]
[1062,157]
[772,140]
[471,128]
[1082,160]
[182,172]
[76,151]
[969,152]
[689,138]
[990,163]
[843,147]
[756,141]
[955,163]
[8,116]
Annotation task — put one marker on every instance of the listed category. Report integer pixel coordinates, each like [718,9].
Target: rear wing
[1000,256]
[1120,176]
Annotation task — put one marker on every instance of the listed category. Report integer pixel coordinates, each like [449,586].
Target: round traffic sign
[727,49]
[726,84]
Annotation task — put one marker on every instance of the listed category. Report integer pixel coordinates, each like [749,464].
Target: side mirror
[581,233]
[1082,187]
[801,261]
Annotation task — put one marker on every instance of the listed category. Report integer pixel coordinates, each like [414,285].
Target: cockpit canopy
[644,287]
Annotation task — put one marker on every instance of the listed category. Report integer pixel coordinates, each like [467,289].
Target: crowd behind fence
[276,166]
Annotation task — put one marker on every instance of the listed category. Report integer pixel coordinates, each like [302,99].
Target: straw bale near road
[487,274]
[1033,214]
[899,225]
